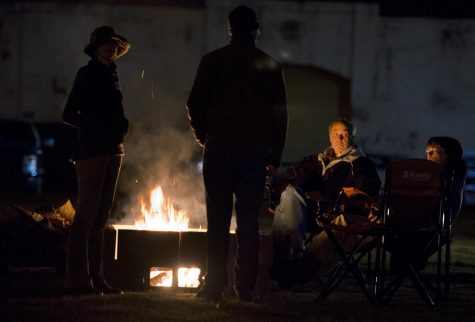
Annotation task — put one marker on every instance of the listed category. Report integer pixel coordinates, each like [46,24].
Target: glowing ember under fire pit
[164,277]
[160,276]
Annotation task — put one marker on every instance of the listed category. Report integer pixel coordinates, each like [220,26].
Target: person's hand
[374,219]
[374,214]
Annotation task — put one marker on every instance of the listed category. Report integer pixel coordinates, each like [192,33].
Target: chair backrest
[414,194]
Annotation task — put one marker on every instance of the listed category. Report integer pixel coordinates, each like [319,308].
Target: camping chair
[416,226]
[360,237]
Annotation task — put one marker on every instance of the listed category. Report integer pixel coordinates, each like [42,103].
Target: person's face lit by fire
[339,138]
[436,154]
[107,51]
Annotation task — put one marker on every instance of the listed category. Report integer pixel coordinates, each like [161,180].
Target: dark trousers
[228,174]
[97,181]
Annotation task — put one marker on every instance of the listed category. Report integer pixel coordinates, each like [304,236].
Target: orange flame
[188,277]
[161,214]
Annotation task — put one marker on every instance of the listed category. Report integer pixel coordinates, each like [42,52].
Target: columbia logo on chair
[416,176]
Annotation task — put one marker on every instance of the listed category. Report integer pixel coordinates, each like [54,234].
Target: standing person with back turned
[95,108]
[238,112]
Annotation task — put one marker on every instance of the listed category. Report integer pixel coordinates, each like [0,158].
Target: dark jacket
[95,107]
[238,101]
[328,175]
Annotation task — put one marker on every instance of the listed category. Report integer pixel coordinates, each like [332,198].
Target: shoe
[83,291]
[107,289]
[210,296]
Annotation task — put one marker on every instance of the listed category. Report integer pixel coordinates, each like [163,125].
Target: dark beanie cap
[243,19]
[451,146]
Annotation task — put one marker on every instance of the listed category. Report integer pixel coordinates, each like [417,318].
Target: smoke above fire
[169,159]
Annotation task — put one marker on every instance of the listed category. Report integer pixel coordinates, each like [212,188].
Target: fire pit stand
[130,255]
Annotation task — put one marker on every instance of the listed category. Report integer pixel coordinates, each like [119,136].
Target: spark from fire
[161,215]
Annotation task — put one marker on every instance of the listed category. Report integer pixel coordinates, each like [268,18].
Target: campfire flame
[162,214]
[188,277]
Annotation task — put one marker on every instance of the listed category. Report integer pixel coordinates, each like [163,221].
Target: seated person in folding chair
[316,179]
[447,152]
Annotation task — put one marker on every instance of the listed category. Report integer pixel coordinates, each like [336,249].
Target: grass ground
[346,305]
[35,296]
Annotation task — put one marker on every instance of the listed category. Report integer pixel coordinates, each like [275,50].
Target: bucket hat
[103,34]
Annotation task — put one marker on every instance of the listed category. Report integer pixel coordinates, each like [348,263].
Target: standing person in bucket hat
[95,107]
[238,113]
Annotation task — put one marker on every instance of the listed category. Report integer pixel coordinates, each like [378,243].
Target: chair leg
[350,265]
[447,268]
[423,286]
[391,289]
[378,270]
[419,284]
[368,276]
[333,281]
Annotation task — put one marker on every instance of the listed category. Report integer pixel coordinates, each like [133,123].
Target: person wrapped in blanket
[316,182]
[447,152]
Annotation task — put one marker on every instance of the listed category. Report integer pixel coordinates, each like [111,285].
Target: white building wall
[45,43]
[411,77]
[10,68]
[424,82]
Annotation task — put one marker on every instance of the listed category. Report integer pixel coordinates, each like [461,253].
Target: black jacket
[95,107]
[328,174]
[238,101]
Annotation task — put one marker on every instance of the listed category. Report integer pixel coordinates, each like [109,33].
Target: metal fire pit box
[130,254]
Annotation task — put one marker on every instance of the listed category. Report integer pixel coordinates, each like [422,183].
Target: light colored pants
[97,181]
[289,227]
